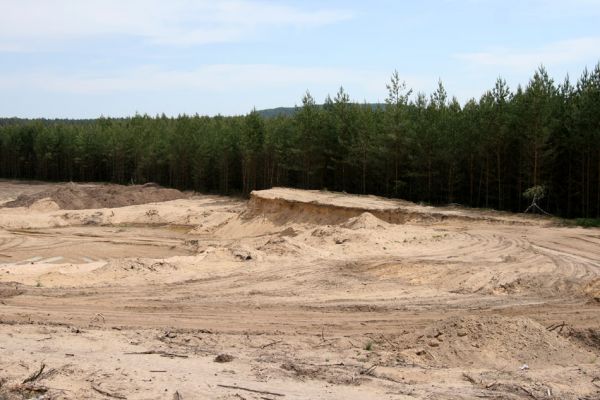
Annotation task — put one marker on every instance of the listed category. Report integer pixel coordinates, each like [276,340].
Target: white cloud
[209,89]
[557,53]
[219,77]
[40,24]
[537,9]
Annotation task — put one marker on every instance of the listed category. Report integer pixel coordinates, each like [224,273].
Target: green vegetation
[535,194]
[485,153]
[588,222]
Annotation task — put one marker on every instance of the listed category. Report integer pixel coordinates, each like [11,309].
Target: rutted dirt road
[315,295]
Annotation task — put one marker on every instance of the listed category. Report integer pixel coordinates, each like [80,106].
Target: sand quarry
[142,292]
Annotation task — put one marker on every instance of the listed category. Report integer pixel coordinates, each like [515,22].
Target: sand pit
[134,292]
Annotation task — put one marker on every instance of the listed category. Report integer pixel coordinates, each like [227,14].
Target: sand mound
[285,211]
[365,220]
[279,246]
[44,205]
[592,289]
[79,197]
[284,205]
[496,342]
[8,290]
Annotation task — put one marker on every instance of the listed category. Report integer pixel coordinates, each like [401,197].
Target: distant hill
[277,112]
[45,121]
[290,111]
[266,113]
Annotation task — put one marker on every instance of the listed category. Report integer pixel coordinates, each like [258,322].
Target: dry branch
[108,394]
[271,344]
[340,364]
[470,378]
[368,371]
[554,327]
[159,352]
[33,377]
[252,390]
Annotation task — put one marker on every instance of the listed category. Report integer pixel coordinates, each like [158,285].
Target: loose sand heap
[72,196]
[494,342]
[142,292]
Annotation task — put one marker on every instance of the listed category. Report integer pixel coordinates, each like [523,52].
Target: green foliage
[428,149]
[588,222]
[535,193]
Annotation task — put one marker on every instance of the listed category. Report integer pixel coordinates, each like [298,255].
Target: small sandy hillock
[79,197]
[496,342]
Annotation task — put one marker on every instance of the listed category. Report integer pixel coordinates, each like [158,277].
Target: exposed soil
[291,295]
[70,196]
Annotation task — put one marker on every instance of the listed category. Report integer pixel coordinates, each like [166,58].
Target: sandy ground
[292,295]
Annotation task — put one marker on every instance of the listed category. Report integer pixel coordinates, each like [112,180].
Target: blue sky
[82,59]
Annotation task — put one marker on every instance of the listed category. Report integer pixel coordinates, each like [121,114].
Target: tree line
[484,153]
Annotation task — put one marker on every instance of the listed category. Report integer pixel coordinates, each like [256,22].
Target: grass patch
[583,222]
[588,222]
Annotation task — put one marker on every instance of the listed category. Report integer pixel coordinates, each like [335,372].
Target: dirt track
[315,295]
